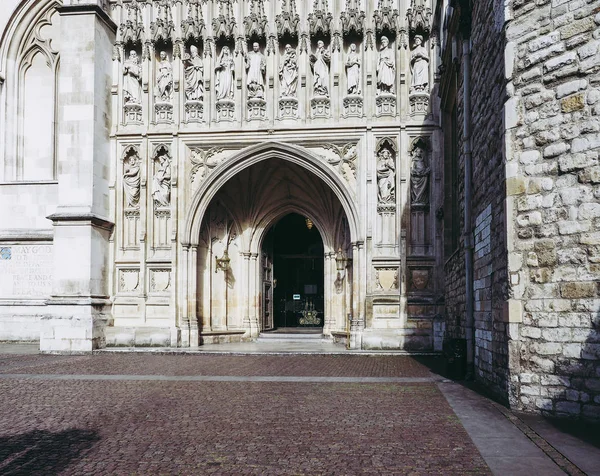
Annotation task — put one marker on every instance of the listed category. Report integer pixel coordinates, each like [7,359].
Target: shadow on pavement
[43,452]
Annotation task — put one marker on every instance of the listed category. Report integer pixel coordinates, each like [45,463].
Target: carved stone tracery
[352,18]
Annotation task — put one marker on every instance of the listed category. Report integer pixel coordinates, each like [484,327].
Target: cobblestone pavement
[153,426]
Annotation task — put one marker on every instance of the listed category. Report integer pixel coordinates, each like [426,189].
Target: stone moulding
[257,109]
[194,111]
[320,106]
[164,112]
[225,110]
[288,108]
[386,105]
[133,114]
[353,106]
[419,104]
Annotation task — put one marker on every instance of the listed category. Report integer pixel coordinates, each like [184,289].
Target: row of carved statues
[386,178]
[255,65]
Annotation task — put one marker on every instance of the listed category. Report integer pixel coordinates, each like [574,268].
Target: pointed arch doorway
[293,276]
[233,212]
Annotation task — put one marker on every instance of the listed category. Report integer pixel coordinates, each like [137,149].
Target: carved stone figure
[288,73]
[419,66]
[164,79]
[161,191]
[225,75]
[194,75]
[320,66]
[131,180]
[386,177]
[353,70]
[419,178]
[132,82]
[256,66]
[386,68]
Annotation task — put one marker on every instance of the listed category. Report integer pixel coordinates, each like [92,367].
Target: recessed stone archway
[234,212]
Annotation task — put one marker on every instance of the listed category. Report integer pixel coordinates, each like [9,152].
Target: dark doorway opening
[297,273]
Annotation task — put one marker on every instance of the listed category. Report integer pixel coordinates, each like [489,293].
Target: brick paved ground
[50,426]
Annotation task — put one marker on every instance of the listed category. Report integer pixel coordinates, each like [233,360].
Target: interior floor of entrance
[298,274]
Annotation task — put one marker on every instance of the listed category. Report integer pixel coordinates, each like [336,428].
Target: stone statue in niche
[288,73]
[132,81]
[194,75]
[320,66]
[353,71]
[419,178]
[161,190]
[164,79]
[131,180]
[256,66]
[386,177]
[419,66]
[225,75]
[386,68]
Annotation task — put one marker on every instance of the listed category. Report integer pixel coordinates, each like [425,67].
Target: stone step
[289,337]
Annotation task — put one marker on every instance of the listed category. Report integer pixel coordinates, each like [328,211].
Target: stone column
[79,306]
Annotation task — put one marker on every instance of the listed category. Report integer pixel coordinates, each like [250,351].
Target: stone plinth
[133,113]
[320,106]
[386,105]
[353,106]
[257,109]
[225,110]
[194,111]
[163,112]
[288,108]
[419,103]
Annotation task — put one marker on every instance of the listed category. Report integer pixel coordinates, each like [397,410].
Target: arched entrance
[231,218]
[293,275]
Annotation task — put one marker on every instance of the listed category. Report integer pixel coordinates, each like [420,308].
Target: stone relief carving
[419,175]
[255,23]
[193,25]
[224,75]
[353,71]
[287,21]
[320,18]
[131,178]
[320,65]
[386,68]
[288,72]
[129,280]
[203,162]
[256,66]
[386,177]
[418,16]
[161,183]
[224,24]
[164,79]
[419,66]
[160,280]
[386,279]
[162,27]
[194,75]
[419,279]
[343,159]
[132,28]
[132,81]
[385,16]
[353,18]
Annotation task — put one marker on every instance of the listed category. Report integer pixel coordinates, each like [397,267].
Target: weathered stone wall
[489,260]
[553,177]
[487,91]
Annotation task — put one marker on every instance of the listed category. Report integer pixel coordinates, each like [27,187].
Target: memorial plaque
[25,271]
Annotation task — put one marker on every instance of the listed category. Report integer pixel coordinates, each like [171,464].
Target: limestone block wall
[553,177]
[489,253]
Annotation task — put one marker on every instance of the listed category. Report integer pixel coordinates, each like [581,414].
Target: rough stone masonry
[552,120]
